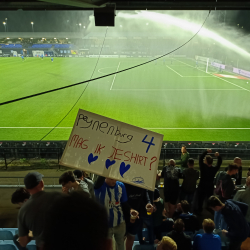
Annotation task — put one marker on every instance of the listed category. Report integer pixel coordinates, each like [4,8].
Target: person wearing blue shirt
[52,59]
[208,240]
[112,194]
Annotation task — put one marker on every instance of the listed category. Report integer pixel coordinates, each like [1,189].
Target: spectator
[76,222]
[138,198]
[234,215]
[20,196]
[208,171]
[244,196]
[182,240]
[79,176]
[184,158]
[190,220]
[171,175]
[166,244]
[237,176]
[248,173]
[208,240]
[225,188]
[70,184]
[160,222]
[31,216]
[190,177]
[112,194]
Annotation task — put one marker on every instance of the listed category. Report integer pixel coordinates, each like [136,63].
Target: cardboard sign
[113,149]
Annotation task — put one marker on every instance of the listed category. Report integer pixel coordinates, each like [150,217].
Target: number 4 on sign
[149,143]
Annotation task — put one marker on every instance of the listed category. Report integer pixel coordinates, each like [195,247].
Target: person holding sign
[112,194]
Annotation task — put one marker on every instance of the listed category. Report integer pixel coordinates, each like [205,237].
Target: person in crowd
[138,199]
[166,244]
[31,216]
[244,196]
[225,188]
[69,183]
[237,176]
[20,196]
[171,175]
[74,221]
[208,240]
[184,158]
[183,212]
[79,176]
[182,240]
[208,171]
[190,177]
[234,215]
[112,194]
[248,173]
[160,222]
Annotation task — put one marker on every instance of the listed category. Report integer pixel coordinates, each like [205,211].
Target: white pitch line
[144,128]
[114,76]
[174,71]
[175,89]
[215,76]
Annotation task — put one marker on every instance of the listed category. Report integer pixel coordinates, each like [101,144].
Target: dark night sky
[59,21]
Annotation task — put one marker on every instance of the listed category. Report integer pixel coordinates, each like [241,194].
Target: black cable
[84,88]
[87,81]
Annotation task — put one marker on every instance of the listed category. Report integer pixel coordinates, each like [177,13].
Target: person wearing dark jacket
[138,198]
[208,172]
[225,188]
[237,176]
[190,177]
[234,215]
[171,175]
[182,240]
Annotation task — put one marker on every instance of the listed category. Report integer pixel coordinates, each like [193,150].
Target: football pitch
[171,97]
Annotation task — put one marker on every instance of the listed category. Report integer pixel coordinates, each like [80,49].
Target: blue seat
[14,231]
[31,247]
[6,235]
[7,246]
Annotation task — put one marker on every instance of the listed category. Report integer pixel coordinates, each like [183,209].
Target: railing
[19,182]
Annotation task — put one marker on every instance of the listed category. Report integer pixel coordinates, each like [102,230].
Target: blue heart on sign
[109,163]
[91,158]
[124,168]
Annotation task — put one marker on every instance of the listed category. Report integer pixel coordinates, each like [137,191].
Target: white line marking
[174,71]
[215,76]
[144,128]
[99,70]
[174,89]
[114,76]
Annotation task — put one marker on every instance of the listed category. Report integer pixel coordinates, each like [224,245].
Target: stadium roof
[125,5]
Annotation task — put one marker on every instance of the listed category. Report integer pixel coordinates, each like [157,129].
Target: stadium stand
[62,46]
[41,46]
[11,46]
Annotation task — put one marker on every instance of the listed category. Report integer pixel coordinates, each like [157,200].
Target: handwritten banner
[113,149]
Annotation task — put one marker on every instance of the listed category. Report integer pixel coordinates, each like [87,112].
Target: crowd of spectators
[88,215]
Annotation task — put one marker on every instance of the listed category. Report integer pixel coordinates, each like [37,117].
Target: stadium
[184,74]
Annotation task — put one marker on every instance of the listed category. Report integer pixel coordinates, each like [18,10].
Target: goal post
[210,65]
[38,53]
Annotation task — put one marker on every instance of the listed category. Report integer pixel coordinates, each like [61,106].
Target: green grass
[165,98]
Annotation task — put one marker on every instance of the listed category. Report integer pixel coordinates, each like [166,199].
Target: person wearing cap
[69,183]
[80,177]
[32,213]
